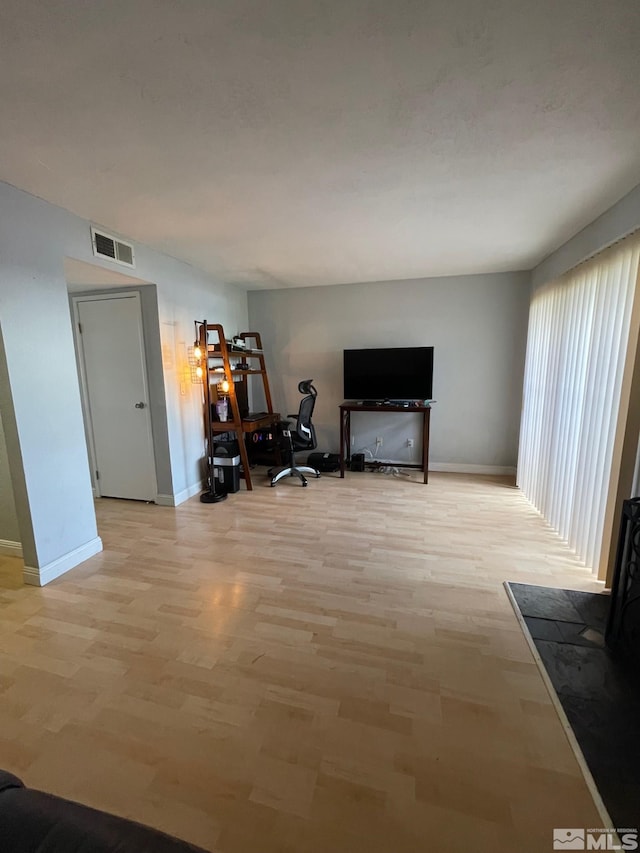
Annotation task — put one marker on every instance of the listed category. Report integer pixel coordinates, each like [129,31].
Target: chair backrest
[305,435]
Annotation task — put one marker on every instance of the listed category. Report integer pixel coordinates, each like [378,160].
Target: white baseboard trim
[10,549]
[181,497]
[45,574]
[463,468]
[165,500]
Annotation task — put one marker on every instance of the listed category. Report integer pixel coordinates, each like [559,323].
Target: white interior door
[112,355]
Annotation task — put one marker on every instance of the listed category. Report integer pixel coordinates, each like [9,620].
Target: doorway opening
[118,353]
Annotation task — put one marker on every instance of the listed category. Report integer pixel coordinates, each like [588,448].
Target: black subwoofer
[357,462]
[326,462]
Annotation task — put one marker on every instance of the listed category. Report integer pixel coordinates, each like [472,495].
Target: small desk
[247,426]
[345,430]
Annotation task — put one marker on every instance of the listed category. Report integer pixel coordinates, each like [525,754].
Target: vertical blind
[576,349]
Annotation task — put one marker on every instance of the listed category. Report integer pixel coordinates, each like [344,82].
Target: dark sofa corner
[35,822]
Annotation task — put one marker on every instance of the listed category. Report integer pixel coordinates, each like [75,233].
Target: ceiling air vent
[106,246]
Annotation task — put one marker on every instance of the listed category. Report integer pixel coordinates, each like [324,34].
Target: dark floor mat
[599,692]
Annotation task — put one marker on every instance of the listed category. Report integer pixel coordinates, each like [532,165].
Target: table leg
[345,428]
[425,444]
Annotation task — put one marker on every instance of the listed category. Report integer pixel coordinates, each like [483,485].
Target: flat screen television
[396,373]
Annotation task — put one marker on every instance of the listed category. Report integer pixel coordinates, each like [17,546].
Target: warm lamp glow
[199,372]
[197,352]
[224,386]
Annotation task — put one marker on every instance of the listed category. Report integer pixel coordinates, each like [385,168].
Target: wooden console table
[345,430]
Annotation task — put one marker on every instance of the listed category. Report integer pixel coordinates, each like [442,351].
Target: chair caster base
[293,471]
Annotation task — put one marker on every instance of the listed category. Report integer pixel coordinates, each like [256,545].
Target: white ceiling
[281,143]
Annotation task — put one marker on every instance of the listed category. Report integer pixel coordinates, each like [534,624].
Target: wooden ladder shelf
[222,358]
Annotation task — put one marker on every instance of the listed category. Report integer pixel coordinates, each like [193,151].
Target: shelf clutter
[225,366]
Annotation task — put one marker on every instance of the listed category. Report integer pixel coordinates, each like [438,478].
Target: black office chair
[303,437]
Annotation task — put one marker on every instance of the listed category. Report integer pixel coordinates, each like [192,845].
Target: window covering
[576,350]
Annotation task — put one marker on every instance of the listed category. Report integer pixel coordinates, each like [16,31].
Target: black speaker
[324,461]
[357,462]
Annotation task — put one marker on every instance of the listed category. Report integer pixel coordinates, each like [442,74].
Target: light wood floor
[335,668]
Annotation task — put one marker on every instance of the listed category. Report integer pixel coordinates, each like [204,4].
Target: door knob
[140,405]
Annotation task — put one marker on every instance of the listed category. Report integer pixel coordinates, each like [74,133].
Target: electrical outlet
[409,442]
[378,441]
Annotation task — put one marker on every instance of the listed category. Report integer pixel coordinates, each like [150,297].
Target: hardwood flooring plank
[300,670]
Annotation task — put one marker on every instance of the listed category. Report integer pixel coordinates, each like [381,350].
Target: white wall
[39,399]
[176,403]
[181,300]
[477,324]
[39,392]
[182,294]
[9,531]
[614,224]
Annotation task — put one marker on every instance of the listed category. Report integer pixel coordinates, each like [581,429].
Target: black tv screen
[396,373]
